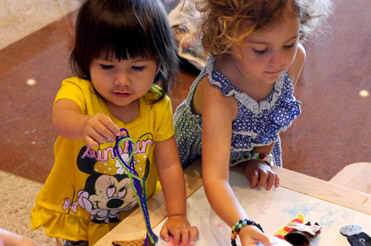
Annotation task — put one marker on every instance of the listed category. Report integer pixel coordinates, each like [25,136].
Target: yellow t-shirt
[87,191]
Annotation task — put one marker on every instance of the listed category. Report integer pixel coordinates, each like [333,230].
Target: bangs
[114,29]
[122,36]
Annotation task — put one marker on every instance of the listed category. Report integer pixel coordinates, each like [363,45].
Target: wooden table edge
[327,191]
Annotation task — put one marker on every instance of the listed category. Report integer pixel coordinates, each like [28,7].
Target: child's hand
[180,229]
[97,129]
[260,174]
[251,235]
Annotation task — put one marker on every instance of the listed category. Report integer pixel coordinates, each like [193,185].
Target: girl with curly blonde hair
[244,97]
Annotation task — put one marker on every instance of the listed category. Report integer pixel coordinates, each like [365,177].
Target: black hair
[124,29]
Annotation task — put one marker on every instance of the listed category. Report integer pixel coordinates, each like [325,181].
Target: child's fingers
[176,236]
[277,180]
[91,142]
[101,134]
[97,127]
[113,128]
[108,129]
[250,235]
[184,237]
[263,177]
[264,240]
[193,234]
[254,179]
[164,233]
[98,134]
[261,237]
[271,180]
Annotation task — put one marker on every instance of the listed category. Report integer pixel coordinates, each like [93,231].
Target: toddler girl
[244,97]
[122,47]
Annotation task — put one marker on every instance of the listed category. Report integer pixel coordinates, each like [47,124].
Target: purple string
[137,184]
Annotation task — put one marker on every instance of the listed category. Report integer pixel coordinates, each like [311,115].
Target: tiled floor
[26,137]
[333,130]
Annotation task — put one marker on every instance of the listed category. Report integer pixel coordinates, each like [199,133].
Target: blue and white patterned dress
[256,124]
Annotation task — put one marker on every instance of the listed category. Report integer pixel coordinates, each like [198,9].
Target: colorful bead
[238,226]
[261,155]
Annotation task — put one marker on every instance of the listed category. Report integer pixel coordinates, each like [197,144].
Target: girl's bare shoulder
[209,95]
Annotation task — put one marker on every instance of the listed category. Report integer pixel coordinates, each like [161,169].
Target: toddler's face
[121,82]
[267,53]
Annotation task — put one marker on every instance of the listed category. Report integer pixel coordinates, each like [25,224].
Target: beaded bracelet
[239,225]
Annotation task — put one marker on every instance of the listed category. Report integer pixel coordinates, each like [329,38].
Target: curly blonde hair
[222,20]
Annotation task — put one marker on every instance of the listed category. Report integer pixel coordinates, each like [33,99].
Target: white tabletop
[329,204]
[272,209]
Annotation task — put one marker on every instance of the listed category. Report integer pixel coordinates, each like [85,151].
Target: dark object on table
[302,234]
[355,235]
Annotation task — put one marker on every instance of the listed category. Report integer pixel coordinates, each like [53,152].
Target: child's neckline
[132,122]
[244,93]
[232,90]
[277,85]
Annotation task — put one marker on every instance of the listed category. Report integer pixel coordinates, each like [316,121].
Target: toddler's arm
[70,123]
[8,238]
[217,119]
[173,185]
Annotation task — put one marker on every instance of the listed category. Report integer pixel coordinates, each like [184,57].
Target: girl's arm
[173,186]
[70,123]
[218,113]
